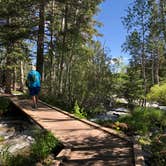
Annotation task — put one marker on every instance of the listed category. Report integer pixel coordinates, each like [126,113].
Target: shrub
[100,109]
[158,148]
[20,160]
[143,121]
[4,104]
[57,101]
[158,94]
[150,123]
[44,144]
[78,112]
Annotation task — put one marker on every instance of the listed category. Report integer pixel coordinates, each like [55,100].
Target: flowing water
[16,133]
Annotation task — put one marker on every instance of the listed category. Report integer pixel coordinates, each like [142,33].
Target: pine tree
[17,26]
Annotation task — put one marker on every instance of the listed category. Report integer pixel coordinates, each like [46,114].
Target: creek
[17,132]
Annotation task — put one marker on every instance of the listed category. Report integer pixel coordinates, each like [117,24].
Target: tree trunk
[8,76]
[21,76]
[143,64]
[162,16]
[40,41]
[157,66]
[14,78]
[64,29]
[51,48]
[152,70]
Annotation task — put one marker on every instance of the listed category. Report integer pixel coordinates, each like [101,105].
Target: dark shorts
[34,91]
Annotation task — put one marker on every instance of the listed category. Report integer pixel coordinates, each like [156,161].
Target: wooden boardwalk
[86,143]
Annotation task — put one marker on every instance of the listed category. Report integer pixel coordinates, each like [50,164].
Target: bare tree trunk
[8,73]
[40,41]
[157,81]
[8,76]
[21,76]
[14,78]
[143,64]
[152,70]
[51,48]
[64,29]
[162,16]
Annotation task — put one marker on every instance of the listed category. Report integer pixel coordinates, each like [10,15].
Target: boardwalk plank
[87,145]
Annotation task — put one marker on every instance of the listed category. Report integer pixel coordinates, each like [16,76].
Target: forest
[77,73]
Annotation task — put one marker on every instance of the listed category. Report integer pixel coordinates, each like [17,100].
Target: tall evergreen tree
[137,21]
[17,26]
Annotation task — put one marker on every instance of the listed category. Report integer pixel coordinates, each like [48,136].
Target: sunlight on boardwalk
[88,145]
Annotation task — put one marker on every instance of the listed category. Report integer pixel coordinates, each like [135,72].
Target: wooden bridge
[85,143]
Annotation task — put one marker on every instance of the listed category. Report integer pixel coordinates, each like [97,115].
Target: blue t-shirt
[37,77]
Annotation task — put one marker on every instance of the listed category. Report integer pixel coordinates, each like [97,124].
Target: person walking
[34,85]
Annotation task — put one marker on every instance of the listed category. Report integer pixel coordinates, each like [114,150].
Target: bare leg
[37,98]
[34,100]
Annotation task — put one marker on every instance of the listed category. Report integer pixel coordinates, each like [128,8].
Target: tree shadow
[100,150]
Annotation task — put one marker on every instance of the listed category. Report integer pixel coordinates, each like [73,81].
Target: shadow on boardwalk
[85,144]
[105,150]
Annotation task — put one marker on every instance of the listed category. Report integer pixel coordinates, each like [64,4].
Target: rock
[14,139]
[162,107]
[122,100]
[112,115]
[17,143]
[6,132]
[2,90]
[122,110]
[152,105]
[38,164]
[122,126]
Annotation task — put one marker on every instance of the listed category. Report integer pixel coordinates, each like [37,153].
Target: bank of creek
[23,141]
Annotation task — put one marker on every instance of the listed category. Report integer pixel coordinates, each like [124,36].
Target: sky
[113,31]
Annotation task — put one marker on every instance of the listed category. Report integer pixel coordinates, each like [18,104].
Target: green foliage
[129,85]
[143,121]
[144,22]
[78,112]
[57,101]
[19,160]
[98,110]
[4,104]
[5,156]
[157,94]
[44,144]
[17,16]
[104,122]
[144,140]
[150,124]
[2,138]
[158,147]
